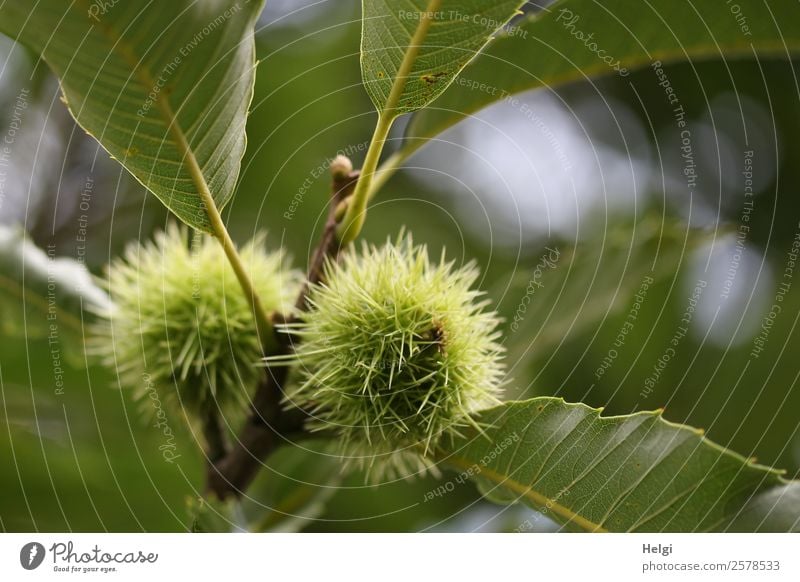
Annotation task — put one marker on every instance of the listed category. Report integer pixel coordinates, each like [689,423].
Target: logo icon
[31,555]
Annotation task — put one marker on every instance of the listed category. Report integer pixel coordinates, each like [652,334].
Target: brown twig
[216,445]
[269,425]
[328,247]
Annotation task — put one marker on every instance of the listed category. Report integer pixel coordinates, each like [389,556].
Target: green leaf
[621,473]
[553,48]
[294,488]
[214,516]
[569,290]
[163,87]
[40,291]
[412,50]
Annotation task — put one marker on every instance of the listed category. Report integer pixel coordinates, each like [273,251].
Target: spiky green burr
[395,354]
[182,324]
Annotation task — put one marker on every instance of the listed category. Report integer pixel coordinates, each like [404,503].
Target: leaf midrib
[409,58]
[189,160]
[165,108]
[538,499]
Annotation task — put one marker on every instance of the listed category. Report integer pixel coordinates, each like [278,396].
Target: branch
[344,184]
[216,446]
[269,425]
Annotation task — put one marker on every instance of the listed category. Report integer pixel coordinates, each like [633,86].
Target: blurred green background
[602,186]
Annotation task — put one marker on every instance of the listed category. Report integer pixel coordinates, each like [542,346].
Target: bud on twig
[341,167]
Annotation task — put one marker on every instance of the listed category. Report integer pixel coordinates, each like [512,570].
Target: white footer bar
[399,557]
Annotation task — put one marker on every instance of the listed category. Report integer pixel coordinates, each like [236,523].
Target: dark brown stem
[328,247]
[269,425]
[216,445]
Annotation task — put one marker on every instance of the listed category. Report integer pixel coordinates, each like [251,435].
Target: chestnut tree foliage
[386,351]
